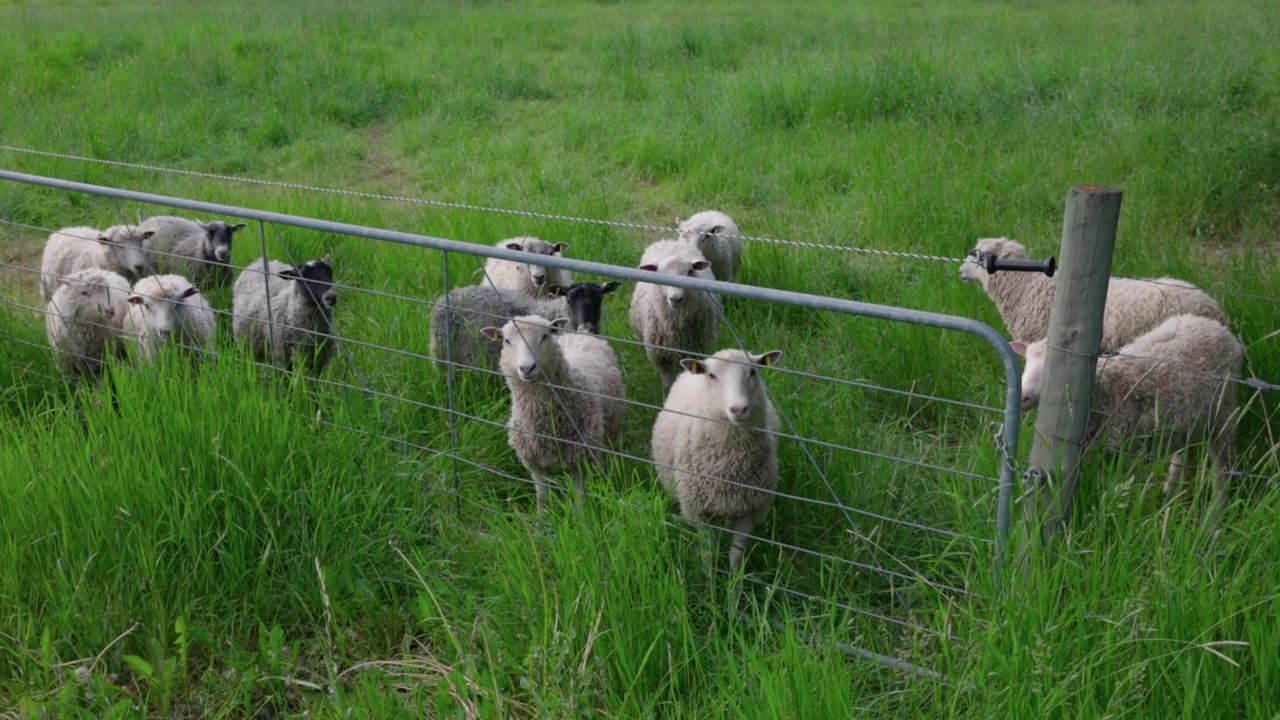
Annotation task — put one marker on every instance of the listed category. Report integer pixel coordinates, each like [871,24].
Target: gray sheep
[194,249]
[473,307]
[118,249]
[297,324]
[716,237]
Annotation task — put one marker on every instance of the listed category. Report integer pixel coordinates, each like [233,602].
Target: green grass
[240,544]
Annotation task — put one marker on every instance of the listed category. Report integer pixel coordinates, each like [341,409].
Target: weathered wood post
[1075,331]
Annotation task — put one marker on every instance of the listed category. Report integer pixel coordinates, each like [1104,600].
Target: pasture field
[246,544]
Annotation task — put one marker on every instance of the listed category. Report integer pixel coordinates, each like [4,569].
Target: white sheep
[567,397]
[199,250]
[117,249]
[715,443]
[528,278]
[1169,388]
[297,323]
[1133,306]
[472,307]
[670,320]
[168,308]
[81,321]
[716,237]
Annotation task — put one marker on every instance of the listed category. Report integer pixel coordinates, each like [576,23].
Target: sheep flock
[134,291]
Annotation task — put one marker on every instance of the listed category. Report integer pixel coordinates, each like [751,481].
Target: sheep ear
[147,235]
[1019,347]
[238,227]
[716,230]
[104,239]
[135,300]
[768,359]
[560,247]
[514,246]
[193,290]
[701,265]
[327,259]
[139,215]
[559,324]
[695,367]
[650,268]
[610,287]
[290,274]
[557,291]
[492,333]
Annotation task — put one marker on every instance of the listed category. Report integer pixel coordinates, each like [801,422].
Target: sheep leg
[705,541]
[742,528]
[541,484]
[1177,473]
[1220,455]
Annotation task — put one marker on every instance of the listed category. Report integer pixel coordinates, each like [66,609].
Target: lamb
[81,321]
[715,443]
[195,249]
[472,307]
[1171,387]
[528,278]
[297,324]
[668,319]
[118,249]
[716,237]
[566,397]
[1133,306]
[168,308]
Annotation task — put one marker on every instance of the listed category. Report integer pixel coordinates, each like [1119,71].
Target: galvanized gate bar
[1013,373]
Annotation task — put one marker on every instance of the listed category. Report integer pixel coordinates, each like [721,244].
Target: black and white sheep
[1169,388]
[529,278]
[166,309]
[82,324]
[1133,306]
[296,325]
[470,308]
[567,397]
[194,249]
[715,443]
[716,237]
[117,249]
[671,320]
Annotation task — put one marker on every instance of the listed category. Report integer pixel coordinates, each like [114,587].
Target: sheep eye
[751,372]
[506,342]
[690,273]
[711,375]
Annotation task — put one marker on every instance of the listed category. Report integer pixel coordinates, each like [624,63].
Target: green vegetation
[240,544]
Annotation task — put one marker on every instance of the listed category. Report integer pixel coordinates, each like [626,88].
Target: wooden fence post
[1075,332]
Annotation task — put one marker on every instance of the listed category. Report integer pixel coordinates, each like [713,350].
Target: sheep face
[124,246]
[95,304]
[527,343]
[156,306]
[316,277]
[584,300]
[537,273]
[680,266]
[1032,371]
[733,384]
[217,244]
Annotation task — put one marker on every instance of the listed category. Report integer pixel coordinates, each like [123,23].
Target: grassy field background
[240,544]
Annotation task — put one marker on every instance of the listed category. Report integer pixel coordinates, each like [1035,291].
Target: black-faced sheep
[297,322]
[194,249]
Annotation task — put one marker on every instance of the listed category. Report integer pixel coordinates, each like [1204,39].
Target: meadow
[249,544]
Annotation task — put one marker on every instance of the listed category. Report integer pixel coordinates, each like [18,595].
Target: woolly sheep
[528,278]
[199,250]
[716,237]
[168,308]
[715,443]
[669,319]
[1169,388]
[118,249]
[561,385]
[1133,306]
[475,306]
[298,322]
[81,321]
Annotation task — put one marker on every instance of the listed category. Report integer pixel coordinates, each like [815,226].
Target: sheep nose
[331,299]
[1026,402]
[675,301]
[140,269]
[527,370]
[539,279]
[738,412]
[592,328]
[109,311]
[221,254]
